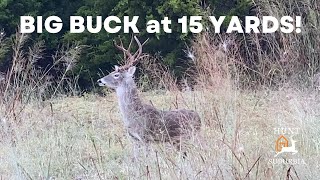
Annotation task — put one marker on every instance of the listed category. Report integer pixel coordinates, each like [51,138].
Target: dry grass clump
[215,62]
[263,60]
[155,75]
[276,58]
[25,82]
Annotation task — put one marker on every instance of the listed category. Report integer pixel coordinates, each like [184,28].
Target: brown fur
[144,122]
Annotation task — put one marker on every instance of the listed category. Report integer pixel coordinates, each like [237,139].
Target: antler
[130,59]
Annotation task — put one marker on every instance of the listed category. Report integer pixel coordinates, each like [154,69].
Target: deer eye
[116,75]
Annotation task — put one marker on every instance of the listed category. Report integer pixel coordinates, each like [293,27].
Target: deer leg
[134,150]
[137,143]
[177,144]
[139,150]
[145,149]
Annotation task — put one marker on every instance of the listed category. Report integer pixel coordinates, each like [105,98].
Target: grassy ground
[83,138]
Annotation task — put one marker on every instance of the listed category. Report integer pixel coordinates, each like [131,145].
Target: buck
[143,122]
[291,149]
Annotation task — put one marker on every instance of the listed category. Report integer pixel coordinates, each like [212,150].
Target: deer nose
[99,81]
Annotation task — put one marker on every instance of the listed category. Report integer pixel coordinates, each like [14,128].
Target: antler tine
[138,53]
[121,45]
[129,47]
[131,59]
[125,51]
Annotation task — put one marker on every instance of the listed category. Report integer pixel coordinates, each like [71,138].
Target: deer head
[123,74]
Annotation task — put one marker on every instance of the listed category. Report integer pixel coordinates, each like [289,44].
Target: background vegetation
[100,53]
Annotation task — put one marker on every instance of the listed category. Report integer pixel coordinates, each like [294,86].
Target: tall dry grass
[83,137]
[155,75]
[278,58]
[26,83]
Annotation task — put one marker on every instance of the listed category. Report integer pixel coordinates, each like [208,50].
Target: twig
[247,175]
[158,166]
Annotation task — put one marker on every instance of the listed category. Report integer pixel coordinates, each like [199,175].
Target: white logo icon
[282,146]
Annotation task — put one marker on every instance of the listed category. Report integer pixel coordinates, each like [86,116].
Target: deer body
[144,122]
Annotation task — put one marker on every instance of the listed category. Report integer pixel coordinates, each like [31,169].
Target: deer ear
[131,71]
[116,68]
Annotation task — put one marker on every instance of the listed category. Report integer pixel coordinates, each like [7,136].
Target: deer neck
[129,101]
